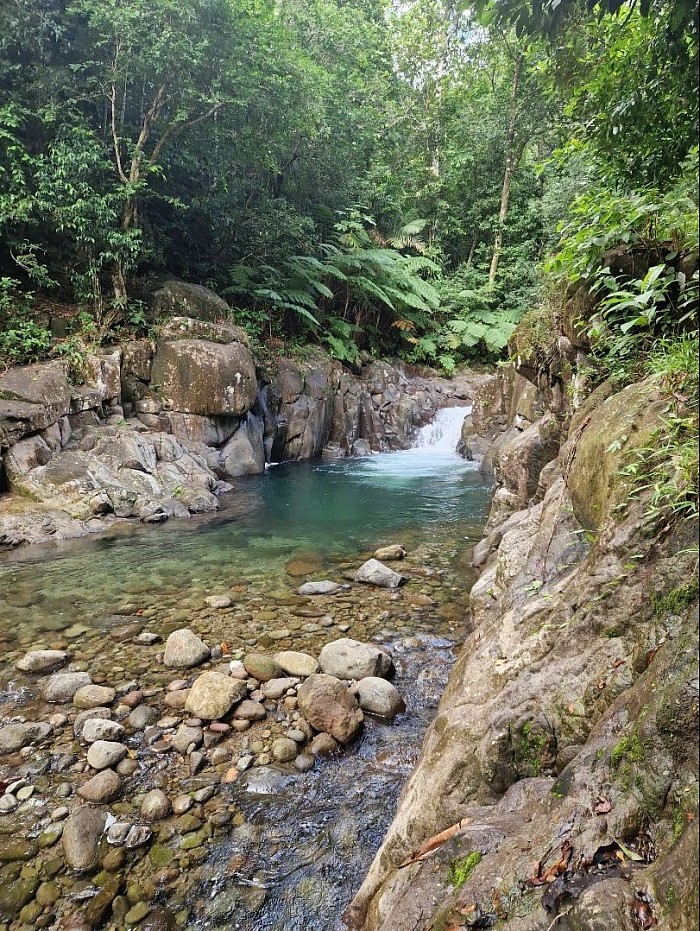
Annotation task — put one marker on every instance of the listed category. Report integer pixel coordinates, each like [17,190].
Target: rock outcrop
[563,762]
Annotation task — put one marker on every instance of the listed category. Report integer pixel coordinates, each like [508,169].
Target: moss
[676,600]
[530,750]
[670,897]
[629,749]
[461,870]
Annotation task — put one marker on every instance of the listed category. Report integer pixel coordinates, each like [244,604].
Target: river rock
[81,835]
[329,706]
[374,572]
[379,697]
[105,753]
[261,667]
[319,588]
[15,736]
[296,664]
[284,750]
[62,686]
[43,660]
[249,710]
[93,696]
[391,553]
[350,659]
[219,601]
[276,688]
[183,649]
[186,737]
[100,729]
[155,806]
[104,787]
[213,695]
[103,714]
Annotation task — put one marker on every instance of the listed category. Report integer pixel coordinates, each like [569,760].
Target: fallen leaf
[541,879]
[618,663]
[628,852]
[434,842]
[601,685]
[602,806]
[224,648]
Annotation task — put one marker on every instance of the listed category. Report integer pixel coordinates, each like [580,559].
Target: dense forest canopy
[406,178]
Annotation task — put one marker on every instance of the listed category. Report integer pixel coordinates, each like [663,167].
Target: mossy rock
[599,448]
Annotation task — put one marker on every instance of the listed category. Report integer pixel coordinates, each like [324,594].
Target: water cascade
[441,435]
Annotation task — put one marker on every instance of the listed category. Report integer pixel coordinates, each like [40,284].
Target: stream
[296,845]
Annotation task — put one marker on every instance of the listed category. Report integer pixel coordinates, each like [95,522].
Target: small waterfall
[442,434]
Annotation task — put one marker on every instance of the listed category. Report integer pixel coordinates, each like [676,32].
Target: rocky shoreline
[558,783]
[161,428]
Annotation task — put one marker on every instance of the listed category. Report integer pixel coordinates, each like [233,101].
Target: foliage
[22,340]
[461,870]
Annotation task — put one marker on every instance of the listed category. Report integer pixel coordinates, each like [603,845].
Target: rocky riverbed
[216,749]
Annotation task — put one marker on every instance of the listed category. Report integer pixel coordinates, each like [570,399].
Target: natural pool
[295,846]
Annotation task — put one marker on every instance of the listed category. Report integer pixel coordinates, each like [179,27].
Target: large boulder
[32,397]
[199,377]
[183,649]
[329,706]
[350,659]
[213,695]
[244,454]
[180,298]
[191,328]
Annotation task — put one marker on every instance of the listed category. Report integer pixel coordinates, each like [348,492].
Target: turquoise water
[328,509]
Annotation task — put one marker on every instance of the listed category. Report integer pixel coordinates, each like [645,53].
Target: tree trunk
[511,162]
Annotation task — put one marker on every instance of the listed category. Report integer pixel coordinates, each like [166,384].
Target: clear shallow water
[298,850]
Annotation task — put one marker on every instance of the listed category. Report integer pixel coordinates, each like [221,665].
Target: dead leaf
[433,843]
[601,685]
[541,879]
[602,806]
[224,648]
[628,852]
[618,663]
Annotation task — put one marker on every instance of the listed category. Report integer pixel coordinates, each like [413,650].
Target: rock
[244,454]
[250,711]
[100,729]
[379,697]
[350,659]
[296,664]
[219,601]
[81,835]
[213,695]
[323,745]
[142,716]
[184,649]
[93,696]
[276,688]
[261,667]
[105,753]
[43,660]
[195,376]
[304,762]
[15,736]
[186,737]
[62,686]
[374,572]
[319,588]
[105,786]
[390,553]
[14,849]
[155,806]
[330,707]
[82,717]
[139,834]
[284,750]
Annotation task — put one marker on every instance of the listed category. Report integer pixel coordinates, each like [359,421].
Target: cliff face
[563,762]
